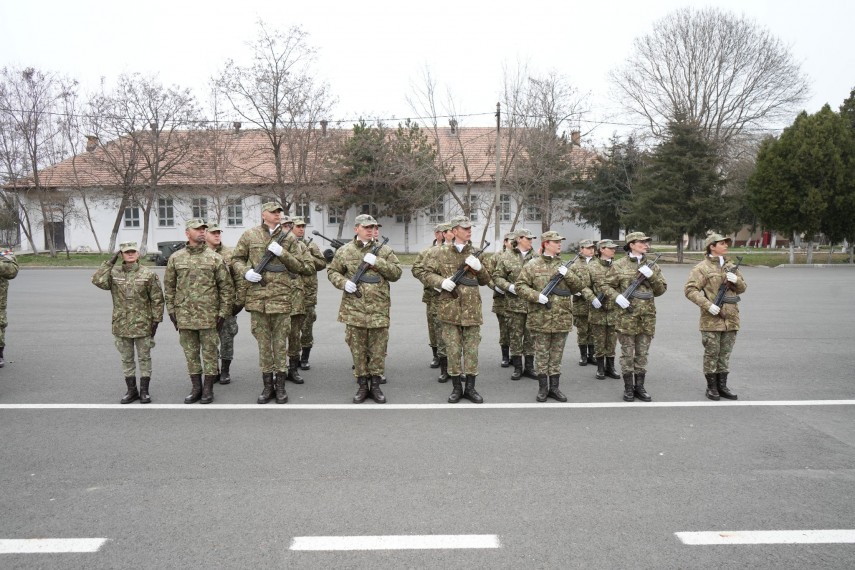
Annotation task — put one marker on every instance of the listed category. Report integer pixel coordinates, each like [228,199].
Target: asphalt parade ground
[767,481]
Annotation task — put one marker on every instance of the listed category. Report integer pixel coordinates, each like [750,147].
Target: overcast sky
[372,51]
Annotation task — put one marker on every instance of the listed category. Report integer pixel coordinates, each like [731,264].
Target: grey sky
[373,50]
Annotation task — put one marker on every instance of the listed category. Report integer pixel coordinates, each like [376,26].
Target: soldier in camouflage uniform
[137,310]
[504,275]
[719,324]
[365,305]
[310,292]
[499,303]
[298,302]
[461,316]
[199,297]
[229,330]
[268,294]
[637,325]
[604,313]
[550,326]
[430,296]
[581,308]
[8,270]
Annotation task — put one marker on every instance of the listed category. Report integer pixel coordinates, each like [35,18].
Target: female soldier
[604,313]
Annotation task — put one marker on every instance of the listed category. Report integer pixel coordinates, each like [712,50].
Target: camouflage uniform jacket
[531,281]
[607,282]
[371,311]
[198,286]
[274,294]
[702,287]
[642,309]
[499,303]
[8,270]
[428,293]
[582,307]
[505,274]
[137,297]
[465,310]
[237,280]
[310,282]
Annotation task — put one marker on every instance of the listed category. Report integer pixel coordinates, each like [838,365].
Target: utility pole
[498,236]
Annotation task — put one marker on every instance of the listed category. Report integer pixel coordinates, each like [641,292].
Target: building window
[234,213]
[132,217]
[436,213]
[533,214]
[505,207]
[335,215]
[165,213]
[473,206]
[200,208]
[303,210]
[370,209]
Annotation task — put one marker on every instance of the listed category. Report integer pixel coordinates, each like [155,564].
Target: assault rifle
[556,279]
[329,253]
[722,289]
[268,255]
[363,267]
[461,271]
[639,279]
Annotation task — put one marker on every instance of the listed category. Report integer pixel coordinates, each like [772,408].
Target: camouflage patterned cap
[298,221]
[714,237]
[214,227]
[586,243]
[634,236]
[526,233]
[128,246]
[365,220]
[551,236]
[271,207]
[195,223]
[606,243]
[462,221]
[442,227]
[511,235]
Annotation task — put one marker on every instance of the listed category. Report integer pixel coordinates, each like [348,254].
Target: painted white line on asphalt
[838,536]
[375,408]
[396,542]
[50,545]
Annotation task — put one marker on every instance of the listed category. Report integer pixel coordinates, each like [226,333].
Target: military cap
[366,220]
[511,235]
[214,227]
[714,237]
[606,243]
[634,236]
[526,233]
[128,246]
[586,243]
[271,207]
[441,227]
[551,236]
[462,221]
[298,221]
[195,223]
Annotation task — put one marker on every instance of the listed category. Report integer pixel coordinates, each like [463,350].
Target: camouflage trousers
[200,350]
[294,342]
[633,352]
[368,349]
[461,347]
[605,339]
[504,336]
[307,337]
[548,351]
[227,338]
[518,335]
[126,347]
[584,334]
[271,331]
[435,327]
[4,321]
[717,348]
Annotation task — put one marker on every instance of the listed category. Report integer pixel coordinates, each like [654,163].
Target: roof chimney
[453,124]
[324,124]
[576,138]
[236,125]
[91,143]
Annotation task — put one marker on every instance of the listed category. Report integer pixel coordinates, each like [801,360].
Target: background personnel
[581,307]
[8,270]
[604,313]
[310,292]
[229,330]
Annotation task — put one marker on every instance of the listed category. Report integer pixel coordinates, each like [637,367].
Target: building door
[58,230]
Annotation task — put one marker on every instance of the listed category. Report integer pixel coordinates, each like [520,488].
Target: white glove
[622,302]
[512,289]
[646,271]
[499,290]
[542,299]
[448,285]
[350,286]
[596,303]
[562,270]
[714,310]
[731,276]
[370,259]
[474,263]
[275,249]
[252,276]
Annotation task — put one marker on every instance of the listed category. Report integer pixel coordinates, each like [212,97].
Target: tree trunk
[89,221]
[809,259]
[118,222]
[144,238]
[793,248]
[680,250]
[407,234]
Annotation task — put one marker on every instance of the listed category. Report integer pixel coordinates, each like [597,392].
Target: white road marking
[396,542]
[376,408]
[50,545]
[838,536]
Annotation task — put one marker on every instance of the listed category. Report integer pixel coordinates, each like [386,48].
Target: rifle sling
[366,278]
[468,281]
[643,295]
[732,300]
[562,292]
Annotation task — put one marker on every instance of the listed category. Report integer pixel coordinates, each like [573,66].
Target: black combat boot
[457,390]
[196,391]
[208,389]
[382,378]
[131,395]
[267,392]
[506,356]
[712,386]
[304,358]
[144,397]
[542,388]
[518,367]
[628,387]
[294,371]
[723,390]
[2,358]
[640,392]
[443,370]
[375,392]
[601,368]
[279,388]
[591,358]
[225,376]
[434,363]
[528,368]
[583,355]
[470,393]
[610,368]
[362,391]
[554,392]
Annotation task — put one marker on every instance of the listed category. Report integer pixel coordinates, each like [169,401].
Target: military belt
[731,300]
[643,295]
[468,281]
[563,292]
